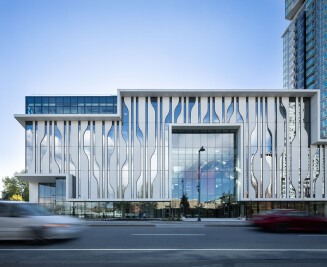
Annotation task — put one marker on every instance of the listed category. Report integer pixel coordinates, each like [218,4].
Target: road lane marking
[167,249]
[179,226]
[168,234]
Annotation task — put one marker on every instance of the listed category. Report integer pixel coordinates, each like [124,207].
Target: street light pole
[199,215]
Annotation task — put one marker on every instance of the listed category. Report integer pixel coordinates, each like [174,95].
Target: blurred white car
[27,221]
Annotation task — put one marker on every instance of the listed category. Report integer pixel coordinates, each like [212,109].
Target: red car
[289,220]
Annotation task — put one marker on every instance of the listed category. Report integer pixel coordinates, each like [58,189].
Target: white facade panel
[129,159]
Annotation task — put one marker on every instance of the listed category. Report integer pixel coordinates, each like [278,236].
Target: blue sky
[94,47]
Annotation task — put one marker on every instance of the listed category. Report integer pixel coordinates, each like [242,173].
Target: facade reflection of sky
[217,164]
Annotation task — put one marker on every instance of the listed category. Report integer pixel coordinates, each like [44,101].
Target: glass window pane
[45,110]
[60,110]
[59,101]
[81,110]
[73,101]
[52,101]
[37,101]
[45,101]
[66,101]
[80,101]
[66,110]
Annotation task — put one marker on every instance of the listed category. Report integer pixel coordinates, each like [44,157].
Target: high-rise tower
[305,50]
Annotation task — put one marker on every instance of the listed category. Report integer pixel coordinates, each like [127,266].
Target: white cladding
[125,156]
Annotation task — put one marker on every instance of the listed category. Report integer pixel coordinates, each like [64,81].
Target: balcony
[310,80]
[310,37]
[310,63]
[292,65]
[292,57]
[309,45]
[310,54]
[293,50]
[310,71]
[309,19]
[292,9]
[308,3]
[310,28]
[292,42]
[310,10]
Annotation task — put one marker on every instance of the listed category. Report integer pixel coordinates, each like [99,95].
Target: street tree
[184,203]
[14,186]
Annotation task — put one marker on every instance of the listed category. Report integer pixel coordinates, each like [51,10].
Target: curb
[155,225]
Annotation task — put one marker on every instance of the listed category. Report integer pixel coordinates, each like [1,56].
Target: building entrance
[217,170]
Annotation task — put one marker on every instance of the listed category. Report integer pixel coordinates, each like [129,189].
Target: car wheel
[38,235]
[324,228]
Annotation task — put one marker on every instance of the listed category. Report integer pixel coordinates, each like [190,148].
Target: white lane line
[168,234]
[168,249]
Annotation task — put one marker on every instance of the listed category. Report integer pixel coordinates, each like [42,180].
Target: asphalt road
[172,245]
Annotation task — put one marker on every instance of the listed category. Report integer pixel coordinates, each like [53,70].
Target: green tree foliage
[16,198]
[14,186]
[184,203]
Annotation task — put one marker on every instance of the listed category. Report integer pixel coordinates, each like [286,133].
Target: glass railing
[310,54]
[308,3]
[310,80]
[309,10]
[310,27]
[309,36]
[325,75]
[310,71]
[309,19]
[309,63]
[309,45]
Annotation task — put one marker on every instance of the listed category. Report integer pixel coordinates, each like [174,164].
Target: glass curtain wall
[217,165]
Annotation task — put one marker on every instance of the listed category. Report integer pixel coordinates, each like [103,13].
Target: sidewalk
[205,222]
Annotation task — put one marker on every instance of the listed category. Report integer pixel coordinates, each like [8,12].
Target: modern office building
[305,50]
[137,152]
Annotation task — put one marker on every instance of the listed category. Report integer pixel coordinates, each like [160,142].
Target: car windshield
[30,210]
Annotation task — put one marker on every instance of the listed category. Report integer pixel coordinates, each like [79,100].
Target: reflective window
[111,148]
[217,164]
[47,193]
[124,127]
[29,143]
[214,114]
[154,103]
[72,166]
[60,189]
[239,117]
[207,116]
[184,109]
[96,165]
[71,105]
[190,106]
[178,110]
[230,110]
[168,120]
[44,144]
[87,150]
[139,133]
[223,109]
[58,154]
[199,109]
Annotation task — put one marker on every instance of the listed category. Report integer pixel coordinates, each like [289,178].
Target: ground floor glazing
[173,209]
